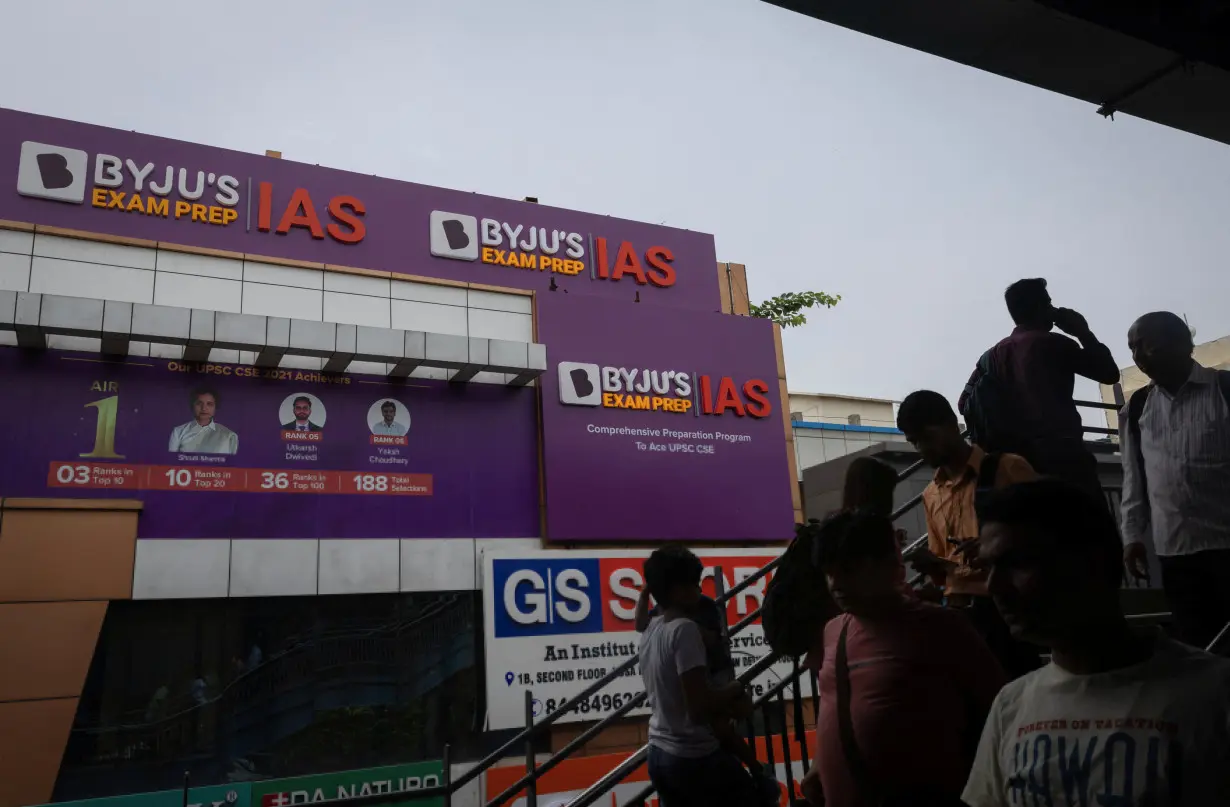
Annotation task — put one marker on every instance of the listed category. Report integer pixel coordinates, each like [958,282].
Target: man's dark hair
[668,567]
[853,535]
[387,404]
[1068,515]
[303,398]
[922,409]
[199,391]
[1028,301]
[869,486]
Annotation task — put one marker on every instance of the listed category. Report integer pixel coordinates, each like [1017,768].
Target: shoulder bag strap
[1223,383]
[1135,409]
[863,779]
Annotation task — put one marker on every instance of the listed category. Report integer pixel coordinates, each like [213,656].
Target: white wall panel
[273,567]
[204,265]
[16,241]
[437,564]
[427,293]
[181,569]
[430,317]
[358,566]
[496,301]
[282,301]
[86,344]
[76,249]
[482,545]
[356,309]
[283,275]
[501,325]
[14,271]
[357,284]
[189,291]
[75,279]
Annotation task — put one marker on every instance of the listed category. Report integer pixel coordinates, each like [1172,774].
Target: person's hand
[968,549]
[741,707]
[812,791]
[930,593]
[1136,558]
[928,562]
[1071,322]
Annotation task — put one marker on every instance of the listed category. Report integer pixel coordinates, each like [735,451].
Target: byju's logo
[580,384]
[454,236]
[52,172]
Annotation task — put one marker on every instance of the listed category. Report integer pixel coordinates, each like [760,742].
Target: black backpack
[990,410]
[1136,408]
[797,603]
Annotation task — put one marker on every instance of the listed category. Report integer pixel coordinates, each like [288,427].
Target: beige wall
[61,562]
[1215,354]
[823,408]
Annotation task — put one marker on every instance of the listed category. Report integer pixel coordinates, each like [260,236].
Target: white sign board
[556,621]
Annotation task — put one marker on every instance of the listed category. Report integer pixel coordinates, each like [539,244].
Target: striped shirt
[1185,443]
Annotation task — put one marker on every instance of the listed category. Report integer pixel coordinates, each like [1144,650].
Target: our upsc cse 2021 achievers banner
[219,450]
[557,621]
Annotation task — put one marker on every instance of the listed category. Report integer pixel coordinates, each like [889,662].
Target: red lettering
[264,204]
[347,209]
[661,273]
[706,395]
[626,262]
[600,256]
[756,392]
[301,213]
[728,398]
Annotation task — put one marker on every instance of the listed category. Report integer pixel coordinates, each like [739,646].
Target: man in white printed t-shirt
[1119,718]
[686,762]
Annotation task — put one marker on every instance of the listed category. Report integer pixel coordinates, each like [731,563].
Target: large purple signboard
[223,451]
[661,427]
[65,174]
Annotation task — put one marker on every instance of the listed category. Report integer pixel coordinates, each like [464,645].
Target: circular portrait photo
[302,412]
[388,418]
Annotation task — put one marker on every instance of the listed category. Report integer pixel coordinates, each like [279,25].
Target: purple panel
[396,217]
[730,482]
[476,441]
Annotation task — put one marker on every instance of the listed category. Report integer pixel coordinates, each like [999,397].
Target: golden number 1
[104,435]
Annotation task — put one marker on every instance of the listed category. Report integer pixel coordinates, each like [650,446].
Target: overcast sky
[823,159]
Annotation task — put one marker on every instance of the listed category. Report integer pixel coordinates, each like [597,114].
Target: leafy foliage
[787,309]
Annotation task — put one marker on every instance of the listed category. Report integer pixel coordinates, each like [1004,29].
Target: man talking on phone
[1019,397]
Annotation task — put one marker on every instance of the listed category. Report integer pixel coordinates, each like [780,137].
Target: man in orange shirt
[963,474]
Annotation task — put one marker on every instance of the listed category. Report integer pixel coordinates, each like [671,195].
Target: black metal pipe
[446,775]
[781,702]
[531,788]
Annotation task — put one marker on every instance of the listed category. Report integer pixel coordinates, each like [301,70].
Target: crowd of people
[939,695]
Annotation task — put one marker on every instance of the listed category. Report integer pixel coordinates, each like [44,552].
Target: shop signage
[556,621]
[108,181]
[219,450]
[327,787]
[563,783]
[661,427]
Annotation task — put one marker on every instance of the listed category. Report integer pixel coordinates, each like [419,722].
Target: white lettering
[139,174]
[536,599]
[569,585]
[108,171]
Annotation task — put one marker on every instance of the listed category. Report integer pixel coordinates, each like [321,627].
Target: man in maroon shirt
[905,687]
[1036,370]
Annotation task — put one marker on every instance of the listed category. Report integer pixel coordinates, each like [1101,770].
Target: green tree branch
[787,309]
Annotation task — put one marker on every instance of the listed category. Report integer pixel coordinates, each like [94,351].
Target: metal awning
[34,317]
[1165,62]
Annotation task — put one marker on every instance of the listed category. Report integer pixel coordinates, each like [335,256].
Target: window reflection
[243,689]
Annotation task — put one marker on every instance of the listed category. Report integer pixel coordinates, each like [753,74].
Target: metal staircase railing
[523,741]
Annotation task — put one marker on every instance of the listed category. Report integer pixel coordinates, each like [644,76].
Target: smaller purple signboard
[66,174]
[661,428]
[233,451]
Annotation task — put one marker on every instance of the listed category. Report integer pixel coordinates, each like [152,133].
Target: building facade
[827,427]
[265,420]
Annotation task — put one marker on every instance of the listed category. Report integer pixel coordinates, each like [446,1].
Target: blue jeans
[718,780]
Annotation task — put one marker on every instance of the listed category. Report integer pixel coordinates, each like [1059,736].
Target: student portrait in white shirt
[388,418]
[203,434]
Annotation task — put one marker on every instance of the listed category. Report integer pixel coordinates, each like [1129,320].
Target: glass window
[242,689]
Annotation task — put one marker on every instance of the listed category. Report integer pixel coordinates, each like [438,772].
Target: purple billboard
[661,427]
[101,180]
[231,451]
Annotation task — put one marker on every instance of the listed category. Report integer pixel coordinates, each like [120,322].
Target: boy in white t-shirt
[687,764]
[1118,717]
